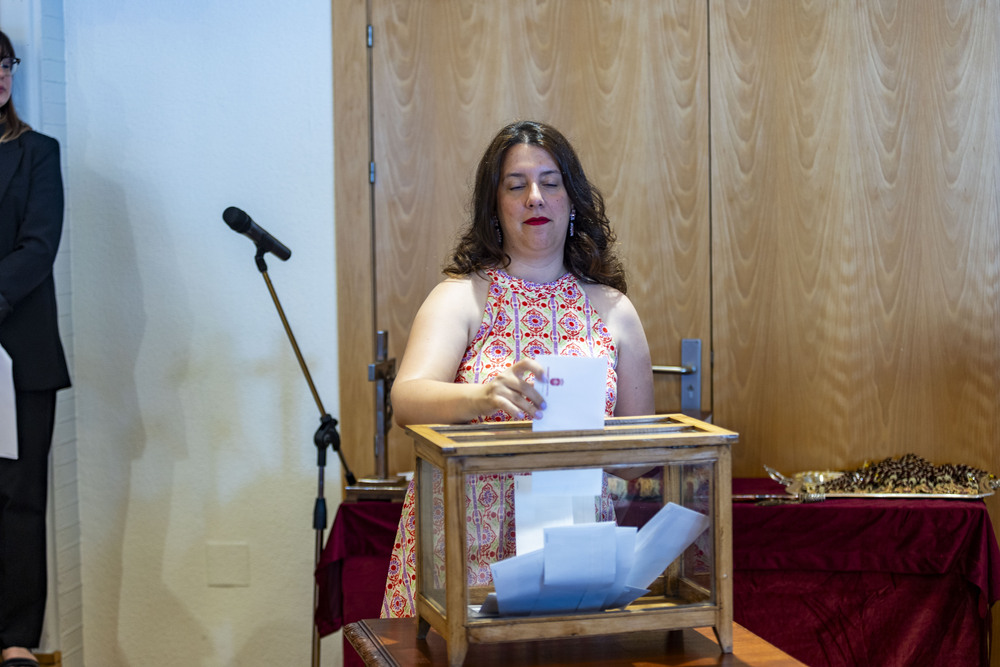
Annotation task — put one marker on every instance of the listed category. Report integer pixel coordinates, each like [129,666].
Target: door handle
[690,370]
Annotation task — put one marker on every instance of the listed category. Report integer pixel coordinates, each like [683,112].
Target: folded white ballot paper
[574,390]
[8,413]
[591,567]
[547,498]
[664,537]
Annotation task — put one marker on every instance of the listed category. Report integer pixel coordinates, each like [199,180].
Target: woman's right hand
[513,392]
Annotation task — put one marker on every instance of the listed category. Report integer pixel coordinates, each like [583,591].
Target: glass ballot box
[526,534]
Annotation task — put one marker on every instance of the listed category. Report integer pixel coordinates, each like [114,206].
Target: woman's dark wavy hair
[13,125]
[588,254]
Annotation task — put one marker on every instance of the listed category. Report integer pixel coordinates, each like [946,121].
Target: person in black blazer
[31,218]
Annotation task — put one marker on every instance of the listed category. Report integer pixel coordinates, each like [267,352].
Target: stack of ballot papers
[592,566]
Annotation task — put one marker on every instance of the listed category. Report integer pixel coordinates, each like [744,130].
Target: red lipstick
[536,221]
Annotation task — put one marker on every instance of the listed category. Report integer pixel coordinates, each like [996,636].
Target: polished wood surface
[355,317]
[387,642]
[855,256]
[856,252]
[855,218]
[626,82]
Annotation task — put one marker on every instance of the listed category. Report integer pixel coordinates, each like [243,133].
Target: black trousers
[23,499]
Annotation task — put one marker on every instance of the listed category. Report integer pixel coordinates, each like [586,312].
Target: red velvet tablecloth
[842,582]
[354,564]
[854,582]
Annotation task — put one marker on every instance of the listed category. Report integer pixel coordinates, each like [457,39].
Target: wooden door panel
[355,317]
[626,82]
[855,247]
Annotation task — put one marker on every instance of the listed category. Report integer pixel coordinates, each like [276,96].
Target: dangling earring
[572,217]
[496,226]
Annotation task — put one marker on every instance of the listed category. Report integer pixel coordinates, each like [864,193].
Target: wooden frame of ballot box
[672,446]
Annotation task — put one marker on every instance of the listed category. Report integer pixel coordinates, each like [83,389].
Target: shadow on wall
[115,464]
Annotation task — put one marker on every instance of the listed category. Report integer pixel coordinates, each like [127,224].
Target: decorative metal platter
[813,485]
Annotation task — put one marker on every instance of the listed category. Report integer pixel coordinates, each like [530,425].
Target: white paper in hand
[574,392]
[8,415]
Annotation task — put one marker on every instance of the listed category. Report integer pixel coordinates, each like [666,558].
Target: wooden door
[856,233]
[856,258]
[626,82]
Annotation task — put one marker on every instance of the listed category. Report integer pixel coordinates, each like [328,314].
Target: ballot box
[526,534]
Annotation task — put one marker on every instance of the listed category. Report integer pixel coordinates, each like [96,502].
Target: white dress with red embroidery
[521,319]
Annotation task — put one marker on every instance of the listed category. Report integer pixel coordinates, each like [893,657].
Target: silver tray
[797,487]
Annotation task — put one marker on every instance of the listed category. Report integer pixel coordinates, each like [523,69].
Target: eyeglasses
[9,65]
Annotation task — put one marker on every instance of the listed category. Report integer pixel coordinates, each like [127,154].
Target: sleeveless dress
[521,319]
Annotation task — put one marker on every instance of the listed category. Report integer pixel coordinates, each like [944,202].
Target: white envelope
[662,539]
[518,582]
[574,389]
[589,567]
[580,556]
[547,498]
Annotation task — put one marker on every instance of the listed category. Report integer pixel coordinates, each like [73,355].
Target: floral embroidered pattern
[522,318]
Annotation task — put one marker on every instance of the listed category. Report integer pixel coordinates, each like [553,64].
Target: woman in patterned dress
[534,273]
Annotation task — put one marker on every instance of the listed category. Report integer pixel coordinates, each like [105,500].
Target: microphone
[241,222]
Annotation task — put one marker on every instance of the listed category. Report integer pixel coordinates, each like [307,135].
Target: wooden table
[391,642]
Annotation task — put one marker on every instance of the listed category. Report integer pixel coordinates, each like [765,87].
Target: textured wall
[196,462]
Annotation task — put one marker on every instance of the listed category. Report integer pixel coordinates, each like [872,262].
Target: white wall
[194,422]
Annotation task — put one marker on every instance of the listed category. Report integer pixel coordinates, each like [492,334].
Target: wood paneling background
[626,82]
[856,237]
[355,317]
[856,232]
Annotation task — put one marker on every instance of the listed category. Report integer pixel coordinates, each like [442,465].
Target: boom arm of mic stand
[326,434]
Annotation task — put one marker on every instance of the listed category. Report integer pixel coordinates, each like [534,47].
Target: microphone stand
[326,436]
